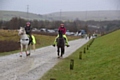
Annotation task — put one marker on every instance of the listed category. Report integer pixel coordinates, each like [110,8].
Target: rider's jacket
[28,29]
[63,29]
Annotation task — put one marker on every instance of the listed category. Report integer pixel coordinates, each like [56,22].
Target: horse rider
[28,30]
[63,29]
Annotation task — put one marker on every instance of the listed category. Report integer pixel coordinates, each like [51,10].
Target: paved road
[13,67]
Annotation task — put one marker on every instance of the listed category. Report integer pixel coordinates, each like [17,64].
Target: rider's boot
[66,42]
[53,45]
[68,45]
[55,42]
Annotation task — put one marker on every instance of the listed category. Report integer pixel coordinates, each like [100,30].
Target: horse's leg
[34,47]
[62,51]
[58,51]
[26,48]
[21,50]
[29,46]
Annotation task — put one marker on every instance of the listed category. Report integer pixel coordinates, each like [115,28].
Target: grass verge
[100,62]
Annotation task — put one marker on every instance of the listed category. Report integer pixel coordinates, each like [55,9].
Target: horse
[24,41]
[60,44]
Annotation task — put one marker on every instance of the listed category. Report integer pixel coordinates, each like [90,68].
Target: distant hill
[7,15]
[89,15]
[69,15]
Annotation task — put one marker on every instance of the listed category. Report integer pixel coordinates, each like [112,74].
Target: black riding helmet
[28,24]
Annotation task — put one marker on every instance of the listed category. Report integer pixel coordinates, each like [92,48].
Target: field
[9,41]
[100,62]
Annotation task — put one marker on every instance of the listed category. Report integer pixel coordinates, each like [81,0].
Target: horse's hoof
[20,55]
[61,56]
[28,54]
[58,56]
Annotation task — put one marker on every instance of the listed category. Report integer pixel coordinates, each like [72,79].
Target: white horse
[24,41]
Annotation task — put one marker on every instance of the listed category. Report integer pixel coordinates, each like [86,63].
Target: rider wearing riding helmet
[63,30]
[28,30]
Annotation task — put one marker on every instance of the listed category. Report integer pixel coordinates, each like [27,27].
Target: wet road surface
[13,67]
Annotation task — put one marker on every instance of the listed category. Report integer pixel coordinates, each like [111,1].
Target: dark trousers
[30,39]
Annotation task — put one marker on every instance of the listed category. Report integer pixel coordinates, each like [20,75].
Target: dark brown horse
[60,44]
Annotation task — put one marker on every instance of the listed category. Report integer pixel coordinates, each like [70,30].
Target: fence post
[84,50]
[87,47]
[71,64]
[80,55]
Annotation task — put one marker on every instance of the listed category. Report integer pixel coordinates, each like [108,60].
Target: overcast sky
[49,6]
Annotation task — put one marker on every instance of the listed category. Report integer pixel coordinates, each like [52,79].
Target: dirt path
[13,67]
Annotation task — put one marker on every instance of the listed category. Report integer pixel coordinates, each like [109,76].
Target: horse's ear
[60,32]
[20,27]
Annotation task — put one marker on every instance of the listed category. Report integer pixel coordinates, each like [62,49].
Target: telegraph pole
[28,12]
[60,15]
[86,15]
[61,11]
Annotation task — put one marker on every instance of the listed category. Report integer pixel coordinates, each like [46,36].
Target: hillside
[100,62]
[7,15]
[89,15]
[69,15]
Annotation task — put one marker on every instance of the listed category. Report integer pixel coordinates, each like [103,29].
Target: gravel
[13,67]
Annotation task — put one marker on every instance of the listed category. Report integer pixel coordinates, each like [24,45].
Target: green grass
[41,40]
[100,62]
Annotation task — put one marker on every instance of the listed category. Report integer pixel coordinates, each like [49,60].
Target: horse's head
[21,31]
[60,33]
